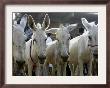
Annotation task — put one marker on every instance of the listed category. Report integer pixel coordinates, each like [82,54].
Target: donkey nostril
[65,56]
[42,57]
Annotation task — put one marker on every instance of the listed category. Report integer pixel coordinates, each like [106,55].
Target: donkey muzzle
[65,58]
[42,59]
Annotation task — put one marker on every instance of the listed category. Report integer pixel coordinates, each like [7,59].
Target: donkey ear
[46,22]
[85,23]
[71,27]
[52,30]
[31,23]
[23,21]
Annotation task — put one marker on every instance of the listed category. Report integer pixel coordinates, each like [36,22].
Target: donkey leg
[14,68]
[90,65]
[25,69]
[54,70]
[76,71]
[80,68]
[71,69]
[59,72]
[41,69]
[30,66]
[38,69]
[46,69]
[64,68]
[90,68]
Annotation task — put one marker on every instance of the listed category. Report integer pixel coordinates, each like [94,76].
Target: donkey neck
[33,53]
[58,48]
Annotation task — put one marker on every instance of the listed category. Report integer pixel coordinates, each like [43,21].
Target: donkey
[57,52]
[18,46]
[36,47]
[82,49]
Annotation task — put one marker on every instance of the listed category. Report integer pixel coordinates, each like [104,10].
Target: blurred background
[57,18]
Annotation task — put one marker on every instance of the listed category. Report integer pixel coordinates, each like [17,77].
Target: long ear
[85,23]
[31,23]
[71,27]
[46,22]
[52,30]
[23,21]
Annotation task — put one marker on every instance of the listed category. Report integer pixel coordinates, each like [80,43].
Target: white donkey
[82,49]
[57,52]
[93,37]
[18,46]
[36,47]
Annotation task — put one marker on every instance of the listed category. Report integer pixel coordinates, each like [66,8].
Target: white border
[100,79]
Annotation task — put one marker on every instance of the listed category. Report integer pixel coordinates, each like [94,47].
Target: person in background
[49,39]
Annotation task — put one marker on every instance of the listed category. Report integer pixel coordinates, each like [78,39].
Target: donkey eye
[45,39]
[34,41]
[69,38]
[90,38]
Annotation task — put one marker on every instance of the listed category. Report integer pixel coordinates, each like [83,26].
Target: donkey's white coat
[18,41]
[59,48]
[80,52]
[37,44]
